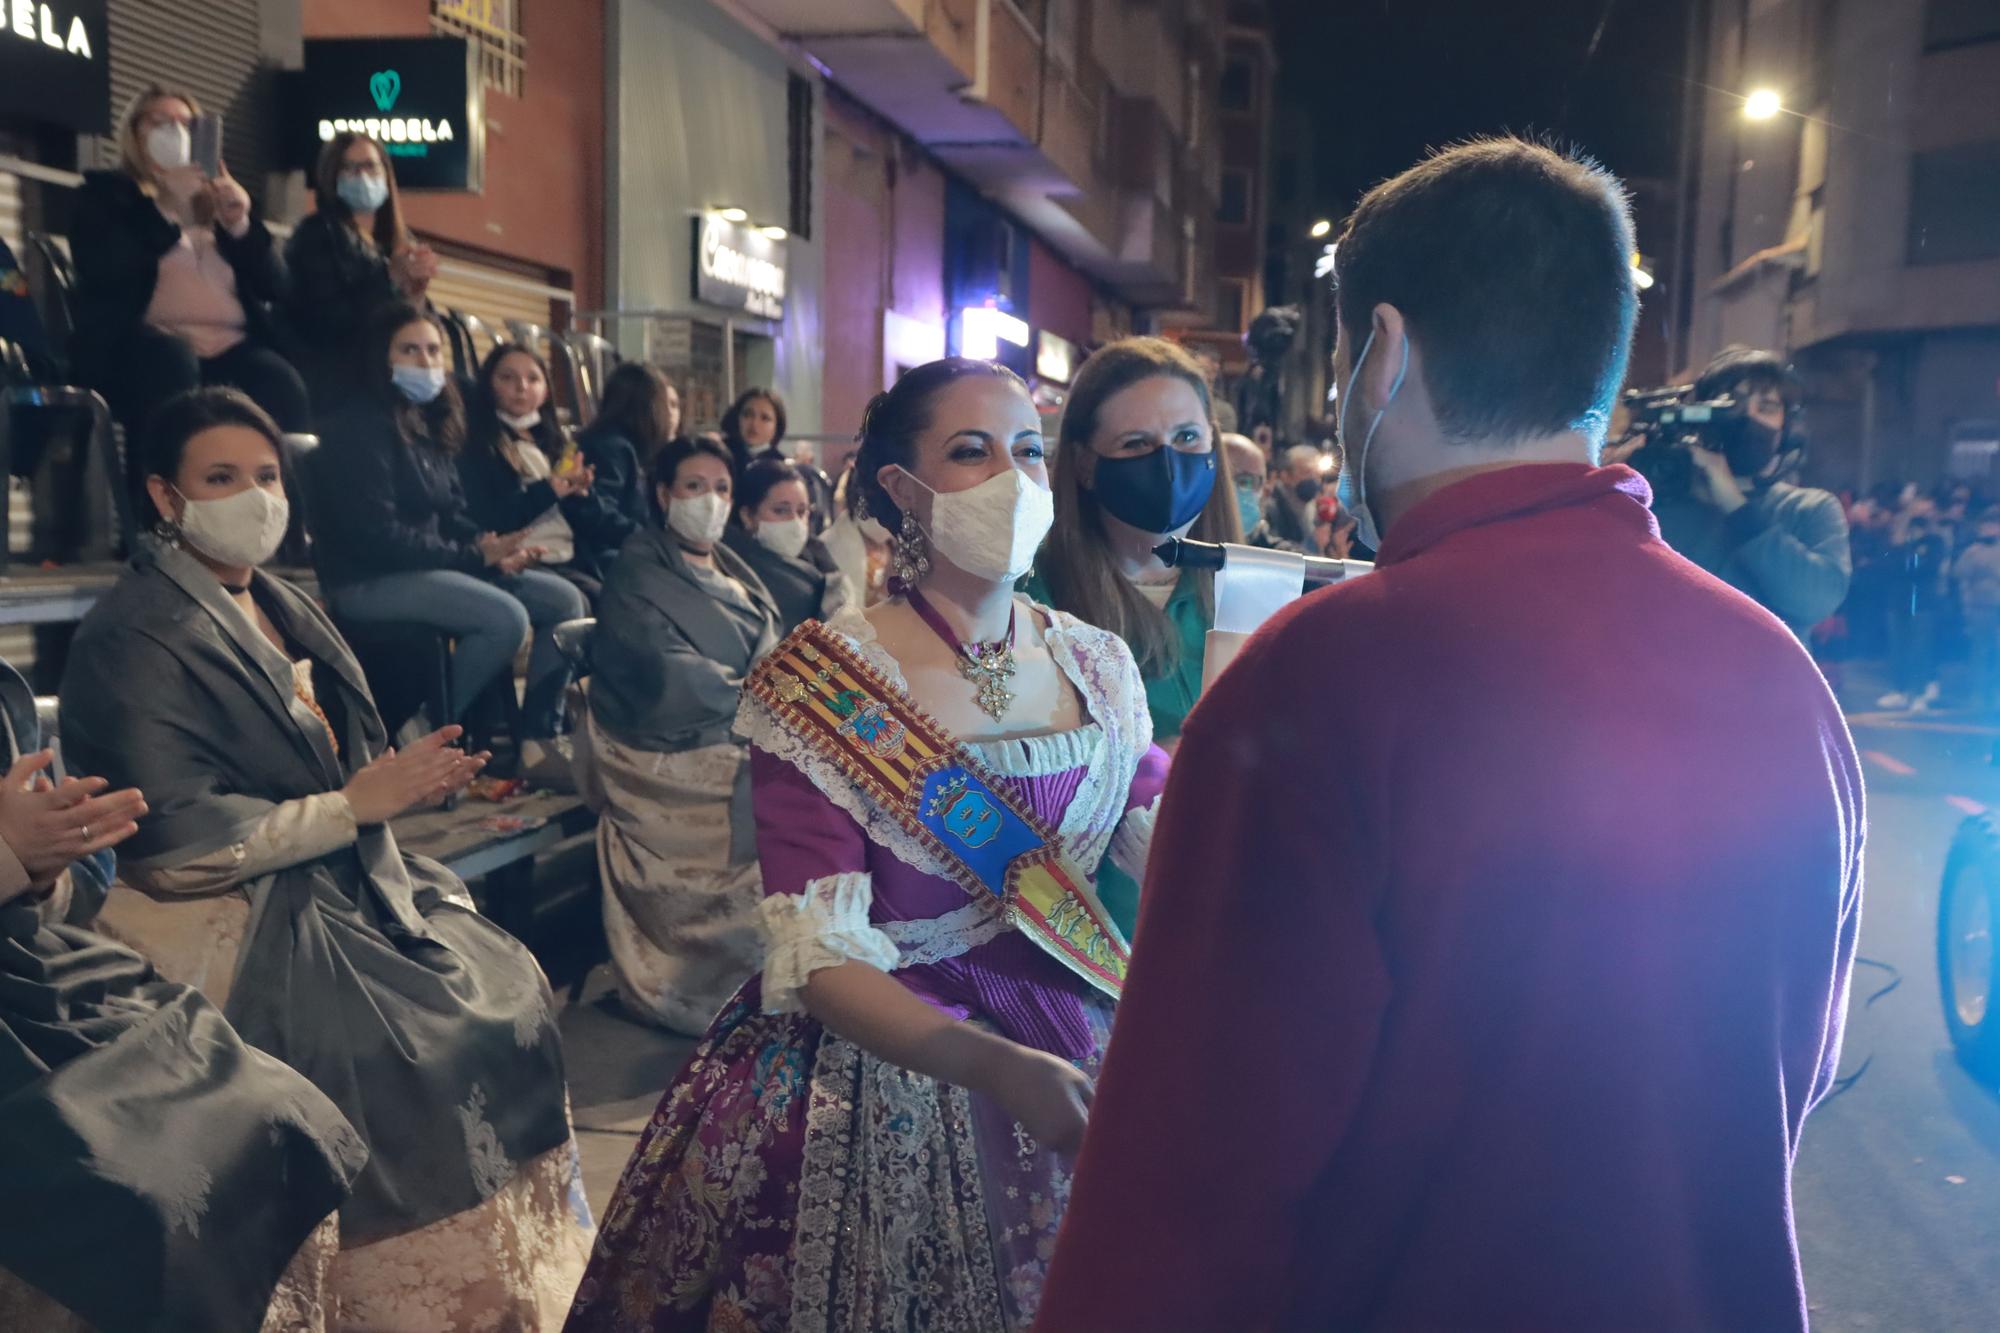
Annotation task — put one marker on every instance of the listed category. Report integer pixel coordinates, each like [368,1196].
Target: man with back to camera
[1785,545]
[1492,992]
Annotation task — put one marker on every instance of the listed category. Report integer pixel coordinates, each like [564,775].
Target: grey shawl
[160,1174]
[668,659]
[428,1026]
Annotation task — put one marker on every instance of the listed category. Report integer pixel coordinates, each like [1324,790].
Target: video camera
[1673,421]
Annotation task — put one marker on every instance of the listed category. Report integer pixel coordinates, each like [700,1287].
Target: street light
[1321,228]
[1762,104]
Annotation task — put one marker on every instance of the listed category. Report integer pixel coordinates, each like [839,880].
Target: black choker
[233,590]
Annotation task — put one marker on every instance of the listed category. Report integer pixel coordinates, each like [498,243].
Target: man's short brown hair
[1511,263]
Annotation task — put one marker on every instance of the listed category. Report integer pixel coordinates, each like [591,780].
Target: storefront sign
[1055,357]
[737,266]
[55,63]
[419,97]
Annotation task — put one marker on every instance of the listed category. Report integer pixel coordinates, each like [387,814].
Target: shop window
[1954,199]
[1949,23]
[1234,206]
[799,155]
[1239,84]
[494,26]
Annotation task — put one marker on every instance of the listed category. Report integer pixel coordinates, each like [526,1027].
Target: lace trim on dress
[1097,663]
[1040,756]
[960,931]
[1134,839]
[825,926]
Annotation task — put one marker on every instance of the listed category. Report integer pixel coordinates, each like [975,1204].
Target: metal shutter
[494,294]
[213,49]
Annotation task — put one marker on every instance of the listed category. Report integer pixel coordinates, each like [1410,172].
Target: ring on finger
[84,833]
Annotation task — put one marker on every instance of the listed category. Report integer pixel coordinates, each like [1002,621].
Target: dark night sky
[1384,79]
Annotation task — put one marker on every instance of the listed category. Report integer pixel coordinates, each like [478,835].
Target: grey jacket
[668,659]
[1787,548]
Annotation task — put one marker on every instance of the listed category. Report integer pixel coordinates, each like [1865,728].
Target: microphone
[1181,553]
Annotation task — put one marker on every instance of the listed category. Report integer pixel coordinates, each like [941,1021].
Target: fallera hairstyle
[391,233]
[635,406]
[897,417]
[759,480]
[1511,263]
[188,414]
[667,463]
[132,159]
[732,419]
[1077,564]
[483,424]
[1746,365]
[440,422]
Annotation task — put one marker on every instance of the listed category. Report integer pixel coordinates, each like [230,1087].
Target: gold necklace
[989,666]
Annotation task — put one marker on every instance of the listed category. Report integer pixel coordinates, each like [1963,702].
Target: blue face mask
[419,384]
[363,194]
[1249,505]
[1161,492]
[1353,490]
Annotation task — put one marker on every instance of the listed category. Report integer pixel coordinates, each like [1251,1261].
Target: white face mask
[1353,491]
[169,145]
[698,518]
[243,529]
[786,536]
[524,423]
[992,530]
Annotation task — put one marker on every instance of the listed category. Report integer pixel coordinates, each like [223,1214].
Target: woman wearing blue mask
[393,540]
[1137,463]
[346,261]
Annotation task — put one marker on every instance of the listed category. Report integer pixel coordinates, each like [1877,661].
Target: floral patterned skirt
[792,1181]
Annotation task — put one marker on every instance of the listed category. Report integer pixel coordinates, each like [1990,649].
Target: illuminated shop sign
[1055,357]
[982,328]
[54,65]
[738,266]
[419,97]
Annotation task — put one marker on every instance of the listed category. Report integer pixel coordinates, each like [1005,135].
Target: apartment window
[1955,204]
[1949,23]
[799,164]
[1234,206]
[494,27]
[1239,84]
[1231,296]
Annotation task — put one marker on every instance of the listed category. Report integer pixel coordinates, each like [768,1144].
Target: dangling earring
[912,553]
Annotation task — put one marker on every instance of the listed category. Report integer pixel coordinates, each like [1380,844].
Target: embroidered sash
[986,836]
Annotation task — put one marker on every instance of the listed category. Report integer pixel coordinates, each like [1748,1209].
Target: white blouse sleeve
[825,926]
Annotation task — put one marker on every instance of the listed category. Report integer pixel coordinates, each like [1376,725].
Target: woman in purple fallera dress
[874,1133]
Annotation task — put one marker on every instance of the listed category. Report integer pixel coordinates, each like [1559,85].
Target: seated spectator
[682,620]
[772,531]
[266,876]
[109,1070]
[858,543]
[346,261]
[753,425]
[394,542]
[1136,464]
[175,277]
[640,413]
[522,474]
[1247,473]
[1290,509]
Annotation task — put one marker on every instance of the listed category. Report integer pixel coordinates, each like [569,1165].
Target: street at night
[1898,1182]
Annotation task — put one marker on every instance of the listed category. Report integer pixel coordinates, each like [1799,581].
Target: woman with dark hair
[176,277]
[347,260]
[266,876]
[772,530]
[682,620]
[886,1110]
[393,541]
[753,425]
[640,413]
[522,474]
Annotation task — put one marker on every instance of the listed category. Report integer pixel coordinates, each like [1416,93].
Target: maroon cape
[1495,945]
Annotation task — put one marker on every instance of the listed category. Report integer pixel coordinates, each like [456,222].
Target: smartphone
[206,132]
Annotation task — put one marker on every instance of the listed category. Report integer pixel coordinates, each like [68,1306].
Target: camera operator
[1784,545]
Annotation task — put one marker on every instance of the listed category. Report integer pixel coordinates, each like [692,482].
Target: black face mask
[1307,490]
[1158,492]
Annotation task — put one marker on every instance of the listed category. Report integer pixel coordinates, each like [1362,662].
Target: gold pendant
[990,669]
